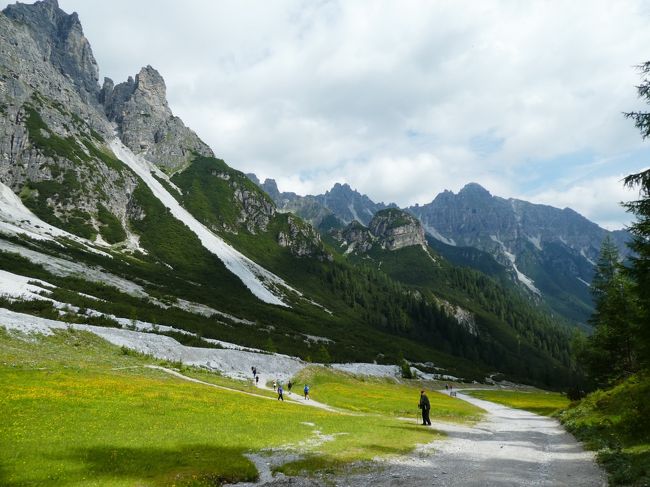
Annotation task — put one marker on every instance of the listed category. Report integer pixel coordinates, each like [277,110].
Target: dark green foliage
[525,341]
[322,355]
[269,346]
[35,196]
[639,269]
[406,370]
[43,309]
[111,229]
[48,142]
[611,353]
[398,217]
[208,185]
[469,257]
[111,161]
[616,423]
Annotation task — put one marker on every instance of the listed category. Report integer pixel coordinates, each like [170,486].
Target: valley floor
[145,424]
[509,447]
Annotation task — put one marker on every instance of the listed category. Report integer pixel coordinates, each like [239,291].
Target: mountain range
[114,213]
[548,251]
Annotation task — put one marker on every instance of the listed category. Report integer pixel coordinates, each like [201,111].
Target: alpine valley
[115,214]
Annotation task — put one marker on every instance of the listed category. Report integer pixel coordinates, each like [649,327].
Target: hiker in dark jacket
[425,406]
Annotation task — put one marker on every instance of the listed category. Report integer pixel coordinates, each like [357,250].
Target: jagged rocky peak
[61,40]
[146,124]
[396,229]
[271,188]
[474,189]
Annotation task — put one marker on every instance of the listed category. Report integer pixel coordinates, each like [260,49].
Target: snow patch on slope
[17,219]
[21,287]
[523,278]
[536,241]
[231,362]
[262,283]
[437,235]
[354,213]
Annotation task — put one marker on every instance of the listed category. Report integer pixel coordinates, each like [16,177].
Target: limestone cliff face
[146,124]
[60,39]
[396,229]
[302,239]
[52,129]
[356,238]
[389,229]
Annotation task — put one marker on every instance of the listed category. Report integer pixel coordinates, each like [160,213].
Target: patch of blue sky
[566,170]
[486,143]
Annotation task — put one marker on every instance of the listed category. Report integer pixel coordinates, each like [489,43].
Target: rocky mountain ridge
[389,229]
[549,251]
[191,242]
[341,201]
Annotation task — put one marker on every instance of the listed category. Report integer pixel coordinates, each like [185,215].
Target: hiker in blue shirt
[280,391]
[306,391]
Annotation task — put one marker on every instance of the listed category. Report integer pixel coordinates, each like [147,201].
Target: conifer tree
[640,229]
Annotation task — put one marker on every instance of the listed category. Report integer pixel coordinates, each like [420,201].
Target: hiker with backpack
[280,391]
[306,391]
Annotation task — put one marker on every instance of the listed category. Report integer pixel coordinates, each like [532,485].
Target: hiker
[446,387]
[257,380]
[275,384]
[254,371]
[289,386]
[306,391]
[280,391]
[425,406]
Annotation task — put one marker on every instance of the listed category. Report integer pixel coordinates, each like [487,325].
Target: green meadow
[535,401]
[380,395]
[75,410]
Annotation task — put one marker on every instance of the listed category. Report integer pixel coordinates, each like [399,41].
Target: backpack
[306,389]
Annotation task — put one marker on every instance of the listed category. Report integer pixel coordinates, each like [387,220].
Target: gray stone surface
[146,124]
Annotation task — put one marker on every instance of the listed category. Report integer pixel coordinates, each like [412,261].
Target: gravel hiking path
[509,447]
[296,395]
[293,397]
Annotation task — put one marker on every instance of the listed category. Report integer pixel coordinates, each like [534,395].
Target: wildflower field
[75,410]
[381,395]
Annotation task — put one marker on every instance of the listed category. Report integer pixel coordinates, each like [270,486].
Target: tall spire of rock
[62,41]
[145,122]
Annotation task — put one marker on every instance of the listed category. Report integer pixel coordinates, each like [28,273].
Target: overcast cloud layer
[400,99]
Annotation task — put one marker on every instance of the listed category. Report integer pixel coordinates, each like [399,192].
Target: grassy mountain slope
[512,331]
[616,423]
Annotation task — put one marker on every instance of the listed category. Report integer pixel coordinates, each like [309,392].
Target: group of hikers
[424,405]
[277,386]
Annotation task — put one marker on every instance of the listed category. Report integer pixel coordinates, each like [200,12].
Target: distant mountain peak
[474,188]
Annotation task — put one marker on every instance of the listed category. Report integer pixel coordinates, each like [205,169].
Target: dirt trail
[509,447]
[296,395]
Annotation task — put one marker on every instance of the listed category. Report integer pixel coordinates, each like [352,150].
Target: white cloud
[593,199]
[390,96]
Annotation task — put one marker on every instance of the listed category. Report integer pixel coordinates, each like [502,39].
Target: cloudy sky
[400,99]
